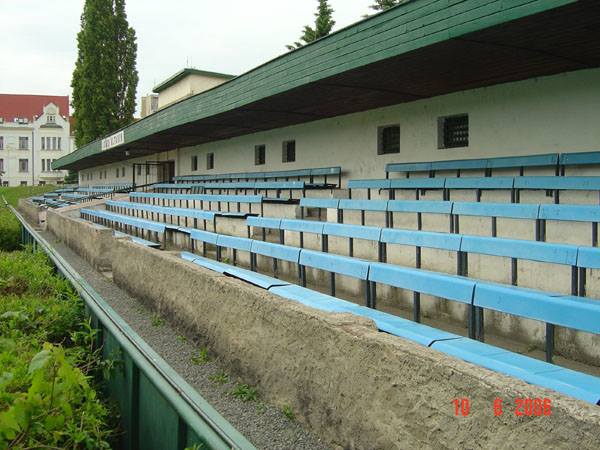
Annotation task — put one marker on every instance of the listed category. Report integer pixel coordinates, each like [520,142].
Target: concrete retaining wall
[356,387]
[33,212]
[92,242]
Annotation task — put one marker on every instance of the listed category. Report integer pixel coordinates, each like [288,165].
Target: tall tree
[105,77]
[382,5]
[323,25]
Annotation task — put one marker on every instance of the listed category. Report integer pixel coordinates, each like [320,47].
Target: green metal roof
[416,50]
[184,73]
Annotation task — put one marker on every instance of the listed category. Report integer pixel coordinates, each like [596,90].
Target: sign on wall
[113,141]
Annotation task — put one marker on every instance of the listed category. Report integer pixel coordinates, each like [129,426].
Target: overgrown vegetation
[48,363]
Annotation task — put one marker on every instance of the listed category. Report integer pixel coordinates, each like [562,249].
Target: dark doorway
[153,172]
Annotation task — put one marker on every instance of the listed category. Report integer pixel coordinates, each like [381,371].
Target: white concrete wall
[542,115]
[190,85]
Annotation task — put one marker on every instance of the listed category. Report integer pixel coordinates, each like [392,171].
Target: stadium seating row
[324,172]
[554,160]
[528,303]
[513,184]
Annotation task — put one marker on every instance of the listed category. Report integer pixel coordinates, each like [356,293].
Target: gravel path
[263,424]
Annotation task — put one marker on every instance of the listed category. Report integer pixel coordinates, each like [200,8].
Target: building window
[5,183]
[210,161]
[43,143]
[43,165]
[58,145]
[260,154]
[51,119]
[453,131]
[41,183]
[23,165]
[122,171]
[1,142]
[23,143]
[147,169]
[117,172]
[23,183]
[194,163]
[388,139]
[105,174]
[1,165]
[288,151]
[53,143]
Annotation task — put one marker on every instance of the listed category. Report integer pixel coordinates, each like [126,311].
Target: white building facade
[32,137]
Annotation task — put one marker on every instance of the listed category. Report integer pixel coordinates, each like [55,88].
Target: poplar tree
[105,77]
[323,25]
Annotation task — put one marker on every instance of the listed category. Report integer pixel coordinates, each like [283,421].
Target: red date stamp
[522,407]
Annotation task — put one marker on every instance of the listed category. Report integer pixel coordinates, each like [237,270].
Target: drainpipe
[33,157]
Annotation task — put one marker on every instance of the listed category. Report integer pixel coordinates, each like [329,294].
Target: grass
[245,392]
[157,321]
[287,412]
[219,378]
[201,358]
[9,225]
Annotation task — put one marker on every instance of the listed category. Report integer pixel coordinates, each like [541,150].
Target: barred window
[388,139]
[453,131]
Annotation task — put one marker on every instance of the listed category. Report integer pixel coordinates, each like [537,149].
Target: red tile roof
[27,106]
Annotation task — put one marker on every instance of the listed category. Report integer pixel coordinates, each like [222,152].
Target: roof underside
[419,50]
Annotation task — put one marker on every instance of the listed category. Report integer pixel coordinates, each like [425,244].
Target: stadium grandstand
[401,214]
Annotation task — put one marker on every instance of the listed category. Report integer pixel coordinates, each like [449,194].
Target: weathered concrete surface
[90,241]
[33,212]
[358,388]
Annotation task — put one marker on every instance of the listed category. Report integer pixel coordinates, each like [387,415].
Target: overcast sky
[229,36]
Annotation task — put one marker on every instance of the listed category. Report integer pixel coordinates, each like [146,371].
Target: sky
[227,36]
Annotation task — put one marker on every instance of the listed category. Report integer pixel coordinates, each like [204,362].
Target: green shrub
[47,361]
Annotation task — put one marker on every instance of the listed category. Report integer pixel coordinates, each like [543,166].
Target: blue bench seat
[568,311]
[451,287]
[480,183]
[575,384]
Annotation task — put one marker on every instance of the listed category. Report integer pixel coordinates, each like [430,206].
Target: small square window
[194,163]
[260,153]
[453,131]
[288,151]
[210,161]
[388,139]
